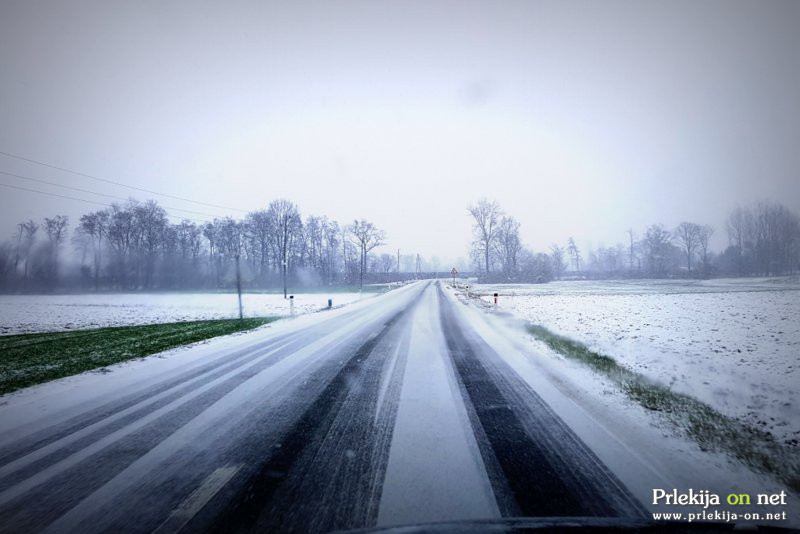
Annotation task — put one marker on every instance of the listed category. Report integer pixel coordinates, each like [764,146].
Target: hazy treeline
[497,253]
[763,240]
[134,246]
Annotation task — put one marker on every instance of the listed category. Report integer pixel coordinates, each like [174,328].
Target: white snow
[632,441]
[734,344]
[40,313]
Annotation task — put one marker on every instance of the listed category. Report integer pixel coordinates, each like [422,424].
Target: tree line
[763,240]
[133,245]
[497,253]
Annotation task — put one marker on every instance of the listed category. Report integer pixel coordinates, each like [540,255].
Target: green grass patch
[706,426]
[30,359]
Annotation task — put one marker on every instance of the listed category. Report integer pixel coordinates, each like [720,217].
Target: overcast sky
[579,118]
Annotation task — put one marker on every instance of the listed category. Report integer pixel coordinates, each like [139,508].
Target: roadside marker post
[291,304]
[454,273]
[495,299]
[330,303]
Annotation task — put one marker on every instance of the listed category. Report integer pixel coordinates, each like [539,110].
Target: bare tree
[262,234]
[776,232]
[94,225]
[350,270]
[56,229]
[28,231]
[508,245]
[739,226]
[229,238]
[188,246]
[704,237]
[486,216]
[575,253]
[558,263]
[534,267]
[121,237]
[688,234]
[330,230]
[763,238]
[285,220]
[150,223]
[607,260]
[7,263]
[386,263]
[314,231]
[366,236]
[656,243]
[210,233]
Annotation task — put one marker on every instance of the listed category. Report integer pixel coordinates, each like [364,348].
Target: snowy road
[390,411]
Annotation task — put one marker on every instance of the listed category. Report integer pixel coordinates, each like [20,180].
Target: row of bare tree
[134,246]
[497,253]
[27,258]
[764,240]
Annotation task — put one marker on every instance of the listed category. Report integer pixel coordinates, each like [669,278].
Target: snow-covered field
[734,344]
[38,313]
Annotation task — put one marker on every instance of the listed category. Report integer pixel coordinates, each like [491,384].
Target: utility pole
[630,263]
[361,269]
[239,285]
[284,275]
[19,243]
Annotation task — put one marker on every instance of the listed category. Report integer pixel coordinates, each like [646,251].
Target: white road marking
[197,500]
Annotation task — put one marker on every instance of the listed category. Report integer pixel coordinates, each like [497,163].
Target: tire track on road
[544,468]
[107,460]
[45,502]
[328,469]
[61,430]
[151,397]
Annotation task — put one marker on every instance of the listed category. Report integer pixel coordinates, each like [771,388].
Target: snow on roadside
[638,445]
[40,313]
[735,347]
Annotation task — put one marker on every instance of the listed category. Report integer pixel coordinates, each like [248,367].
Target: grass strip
[29,359]
[709,428]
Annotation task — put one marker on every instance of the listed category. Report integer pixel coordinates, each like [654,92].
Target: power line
[78,173]
[78,189]
[85,200]
[54,195]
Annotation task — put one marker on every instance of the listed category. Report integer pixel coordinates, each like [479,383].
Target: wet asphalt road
[394,411]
